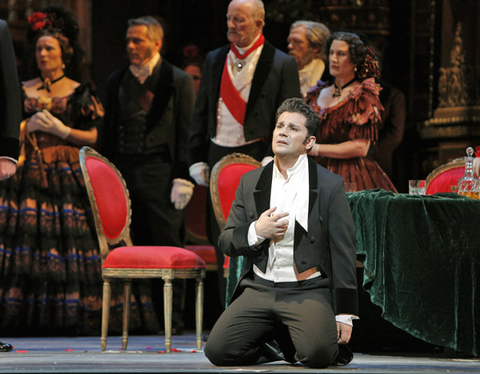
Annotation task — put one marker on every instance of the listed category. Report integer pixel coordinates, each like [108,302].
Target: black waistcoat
[132,118]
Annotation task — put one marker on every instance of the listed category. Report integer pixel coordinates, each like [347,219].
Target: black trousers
[256,150]
[155,221]
[299,317]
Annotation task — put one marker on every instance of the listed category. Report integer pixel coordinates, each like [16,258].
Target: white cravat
[310,74]
[142,72]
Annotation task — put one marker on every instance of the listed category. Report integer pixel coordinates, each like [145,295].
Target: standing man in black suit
[242,85]
[292,221]
[10,114]
[147,122]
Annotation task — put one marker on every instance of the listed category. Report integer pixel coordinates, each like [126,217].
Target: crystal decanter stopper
[469,185]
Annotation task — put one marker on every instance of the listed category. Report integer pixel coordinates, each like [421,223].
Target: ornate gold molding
[457,101]
[446,128]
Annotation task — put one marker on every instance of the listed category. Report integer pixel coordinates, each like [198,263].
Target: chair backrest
[224,180]
[445,176]
[109,199]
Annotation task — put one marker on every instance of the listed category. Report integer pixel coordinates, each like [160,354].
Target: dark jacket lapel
[312,198]
[263,189]
[264,65]
[162,92]
[313,180]
[217,70]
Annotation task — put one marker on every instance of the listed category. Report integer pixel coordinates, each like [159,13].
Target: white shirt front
[310,74]
[229,131]
[288,195]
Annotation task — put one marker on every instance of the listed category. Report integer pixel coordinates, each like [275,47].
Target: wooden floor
[145,354]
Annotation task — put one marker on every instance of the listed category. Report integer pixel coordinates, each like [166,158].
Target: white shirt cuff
[8,158]
[253,238]
[346,319]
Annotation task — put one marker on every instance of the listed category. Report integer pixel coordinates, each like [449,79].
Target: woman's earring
[63,67]
[355,69]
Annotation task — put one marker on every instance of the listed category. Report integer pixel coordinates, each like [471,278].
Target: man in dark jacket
[147,122]
[10,114]
[242,85]
[292,221]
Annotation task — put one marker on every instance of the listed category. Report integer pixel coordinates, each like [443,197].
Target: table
[421,257]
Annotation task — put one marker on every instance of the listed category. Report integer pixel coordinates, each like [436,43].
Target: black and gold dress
[50,267]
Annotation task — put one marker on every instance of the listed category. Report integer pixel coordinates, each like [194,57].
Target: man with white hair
[242,85]
[306,43]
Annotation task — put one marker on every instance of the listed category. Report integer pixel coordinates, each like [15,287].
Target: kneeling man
[297,293]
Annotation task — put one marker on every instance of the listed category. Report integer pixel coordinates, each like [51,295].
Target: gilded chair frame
[128,274]
[234,158]
[458,162]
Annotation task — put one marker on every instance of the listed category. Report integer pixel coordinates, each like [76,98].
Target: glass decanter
[469,185]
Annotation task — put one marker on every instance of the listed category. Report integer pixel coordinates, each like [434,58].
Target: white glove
[200,173]
[476,165]
[182,191]
[45,121]
[36,122]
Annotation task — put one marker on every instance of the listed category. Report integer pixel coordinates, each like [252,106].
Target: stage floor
[145,354]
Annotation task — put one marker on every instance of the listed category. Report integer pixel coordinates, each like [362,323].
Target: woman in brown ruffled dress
[350,110]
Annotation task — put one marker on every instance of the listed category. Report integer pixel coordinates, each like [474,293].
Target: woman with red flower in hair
[50,279]
[50,268]
[350,110]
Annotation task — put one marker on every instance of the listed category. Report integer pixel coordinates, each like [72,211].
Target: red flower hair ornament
[39,21]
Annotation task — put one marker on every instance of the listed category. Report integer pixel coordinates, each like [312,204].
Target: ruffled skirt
[50,266]
[363,171]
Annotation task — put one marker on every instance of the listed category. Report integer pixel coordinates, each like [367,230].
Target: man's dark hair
[297,105]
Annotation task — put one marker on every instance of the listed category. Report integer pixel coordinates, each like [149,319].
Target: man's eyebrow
[289,123]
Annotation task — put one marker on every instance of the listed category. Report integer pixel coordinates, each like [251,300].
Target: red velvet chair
[446,176]
[224,180]
[195,217]
[110,202]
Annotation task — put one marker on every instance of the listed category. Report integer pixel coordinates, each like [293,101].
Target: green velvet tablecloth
[422,263]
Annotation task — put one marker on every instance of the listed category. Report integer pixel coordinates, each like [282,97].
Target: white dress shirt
[229,131]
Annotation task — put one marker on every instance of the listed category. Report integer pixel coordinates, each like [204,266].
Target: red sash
[229,94]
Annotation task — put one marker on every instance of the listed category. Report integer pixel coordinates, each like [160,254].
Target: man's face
[242,28]
[290,137]
[299,47]
[139,46]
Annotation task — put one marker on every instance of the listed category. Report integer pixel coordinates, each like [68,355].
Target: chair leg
[107,293]
[199,311]
[167,306]
[127,292]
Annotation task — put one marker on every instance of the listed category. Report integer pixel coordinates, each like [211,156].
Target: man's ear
[310,143]
[158,45]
